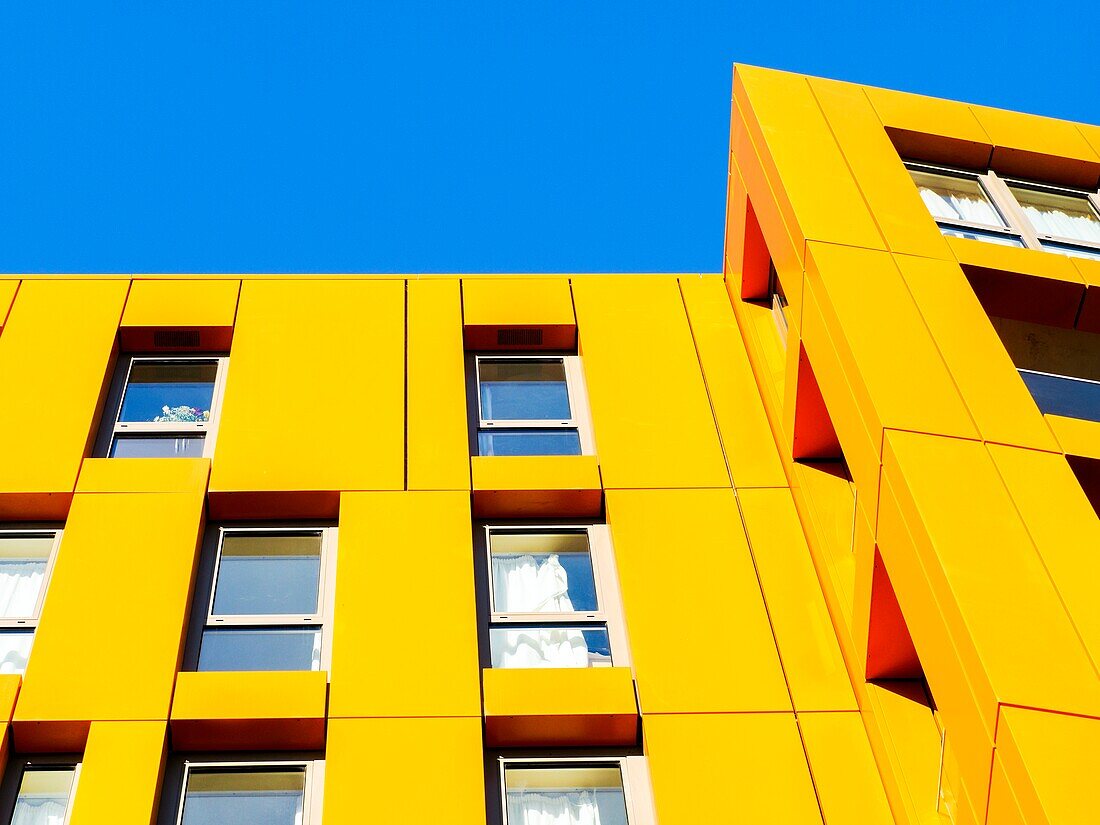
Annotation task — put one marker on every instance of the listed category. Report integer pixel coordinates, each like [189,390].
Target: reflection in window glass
[129,446]
[542,572]
[979,235]
[955,198]
[1064,395]
[43,796]
[1072,251]
[262,574]
[1061,215]
[517,646]
[524,390]
[23,561]
[15,649]
[529,442]
[245,797]
[169,391]
[260,648]
[574,795]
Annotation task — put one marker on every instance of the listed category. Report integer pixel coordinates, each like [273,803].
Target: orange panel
[552,707]
[249,711]
[532,486]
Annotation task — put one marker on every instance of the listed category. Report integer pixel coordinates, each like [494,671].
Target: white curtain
[19,586]
[39,811]
[522,585]
[569,808]
[960,206]
[1063,225]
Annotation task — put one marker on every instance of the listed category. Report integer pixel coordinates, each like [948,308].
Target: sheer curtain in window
[567,808]
[960,206]
[39,812]
[522,585]
[19,586]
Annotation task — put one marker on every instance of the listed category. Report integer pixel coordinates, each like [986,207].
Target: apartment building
[812,540]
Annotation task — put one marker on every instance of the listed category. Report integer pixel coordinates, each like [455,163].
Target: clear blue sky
[451,136]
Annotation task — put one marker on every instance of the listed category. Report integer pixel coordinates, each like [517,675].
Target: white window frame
[609,612]
[575,389]
[208,429]
[322,618]
[1017,226]
[633,770]
[44,765]
[31,622]
[313,784]
[778,302]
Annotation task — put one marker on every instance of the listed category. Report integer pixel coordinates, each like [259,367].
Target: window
[529,406]
[166,407]
[582,791]
[778,301]
[989,208]
[45,794]
[249,793]
[553,598]
[26,560]
[269,599]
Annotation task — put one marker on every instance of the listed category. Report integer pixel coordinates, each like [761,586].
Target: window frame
[1017,225]
[575,390]
[326,587]
[31,622]
[41,762]
[165,429]
[632,769]
[313,785]
[609,612]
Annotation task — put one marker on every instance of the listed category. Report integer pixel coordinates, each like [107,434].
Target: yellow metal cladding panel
[315,390]
[559,691]
[1052,761]
[142,475]
[1064,528]
[734,767]
[1017,138]
[1033,262]
[133,555]
[55,354]
[405,567]
[1076,436]
[438,440]
[685,550]
[1031,654]
[7,296]
[424,770]
[650,410]
[901,216]
[793,133]
[1003,806]
[844,770]
[189,303]
[743,425]
[250,695]
[876,329]
[995,396]
[807,641]
[916,113]
[120,774]
[501,301]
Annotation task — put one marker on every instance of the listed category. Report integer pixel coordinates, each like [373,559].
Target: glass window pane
[265,574]
[15,650]
[23,562]
[529,442]
[43,796]
[245,797]
[558,794]
[524,390]
[1064,395]
[1060,215]
[542,572]
[169,391]
[543,646]
[1072,251]
[955,198]
[131,446]
[260,648]
[979,235]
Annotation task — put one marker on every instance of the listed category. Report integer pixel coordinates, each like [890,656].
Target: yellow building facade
[812,540]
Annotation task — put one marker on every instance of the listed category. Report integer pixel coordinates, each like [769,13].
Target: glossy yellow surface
[536,486]
[516,301]
[120,774]
[230,696]
[182,303]
[8,288]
